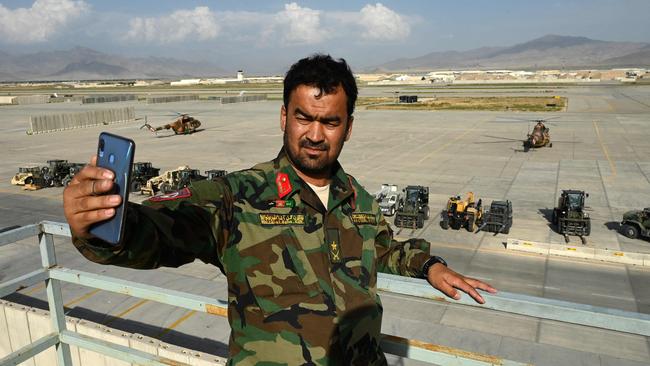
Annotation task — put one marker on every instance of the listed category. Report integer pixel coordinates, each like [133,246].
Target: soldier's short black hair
[323,72]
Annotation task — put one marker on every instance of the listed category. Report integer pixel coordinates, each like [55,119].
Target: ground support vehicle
[55,172]
[498,219]
[214,174]
[569,217]
[412,207]
[74,168]
[636,223]
[460,213]
[387,197]
[172,180]
[37,180]
[24,175]
[141,173]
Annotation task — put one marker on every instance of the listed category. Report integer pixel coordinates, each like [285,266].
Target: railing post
[54,298]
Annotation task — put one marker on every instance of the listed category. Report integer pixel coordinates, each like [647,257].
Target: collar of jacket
[340,185]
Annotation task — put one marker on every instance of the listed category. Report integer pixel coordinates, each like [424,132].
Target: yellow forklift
[459,213]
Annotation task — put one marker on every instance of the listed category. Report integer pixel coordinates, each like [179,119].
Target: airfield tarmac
[601,144]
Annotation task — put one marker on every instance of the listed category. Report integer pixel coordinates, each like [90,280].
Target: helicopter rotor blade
[175,113]
[497,142]
[507,119]
[510,120]
[501,138]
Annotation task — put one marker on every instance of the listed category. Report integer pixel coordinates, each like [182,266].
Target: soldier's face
[315,125]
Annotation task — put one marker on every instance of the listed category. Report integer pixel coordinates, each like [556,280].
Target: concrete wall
[171,98]
[243,98]
[7,99]
[59,99]
[32,99]
[108,98]
[59,122]
[21,325]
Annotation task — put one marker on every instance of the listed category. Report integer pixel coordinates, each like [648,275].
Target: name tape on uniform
[281,219]
[364,219]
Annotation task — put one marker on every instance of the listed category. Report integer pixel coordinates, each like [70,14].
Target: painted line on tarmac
[614,297]
[130,309]
[178,321]
[24,192]
[449,143]
[33,289]
[401,156]
[82,298]
[612,166]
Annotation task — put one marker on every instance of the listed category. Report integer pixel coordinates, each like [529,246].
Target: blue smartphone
[116,154]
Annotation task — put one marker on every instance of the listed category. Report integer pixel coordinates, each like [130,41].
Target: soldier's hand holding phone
[85,201]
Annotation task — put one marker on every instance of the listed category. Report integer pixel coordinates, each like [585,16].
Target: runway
[600,145]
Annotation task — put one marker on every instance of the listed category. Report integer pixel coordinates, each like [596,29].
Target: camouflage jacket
[301,280]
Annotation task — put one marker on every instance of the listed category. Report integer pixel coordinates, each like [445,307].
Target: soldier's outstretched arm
[408,258]
[166,233]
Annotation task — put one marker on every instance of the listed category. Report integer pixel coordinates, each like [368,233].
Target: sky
[264,36]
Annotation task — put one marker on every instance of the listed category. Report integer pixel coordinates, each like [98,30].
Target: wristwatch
[429,263]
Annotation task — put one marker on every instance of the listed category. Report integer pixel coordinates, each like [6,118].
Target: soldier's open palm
[448,281]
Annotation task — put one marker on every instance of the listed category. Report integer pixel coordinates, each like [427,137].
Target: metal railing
[61,339]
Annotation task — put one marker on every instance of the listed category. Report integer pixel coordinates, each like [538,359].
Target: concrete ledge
[618,256]
[527,246]
[582,252]
[572,251]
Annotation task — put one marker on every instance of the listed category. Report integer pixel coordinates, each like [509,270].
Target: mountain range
[82,63]
[548,52]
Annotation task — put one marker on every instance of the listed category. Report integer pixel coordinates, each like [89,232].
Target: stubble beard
[307,165]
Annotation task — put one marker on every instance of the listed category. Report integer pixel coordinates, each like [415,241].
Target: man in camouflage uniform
[299,240]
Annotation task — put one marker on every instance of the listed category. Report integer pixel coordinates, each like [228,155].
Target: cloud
[40,22]
[300,25]
[178,26]
[293,25]
[382,23]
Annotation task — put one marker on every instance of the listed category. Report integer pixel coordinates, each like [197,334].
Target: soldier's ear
[348,133]
[283,118]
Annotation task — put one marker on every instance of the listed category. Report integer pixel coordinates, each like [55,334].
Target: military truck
[460,213]
[55,172]
[141,173]
[569,217]
[387,197]
[172,180]
[412,207]
[636,223]
[73,169]
[498,219]
[213,174]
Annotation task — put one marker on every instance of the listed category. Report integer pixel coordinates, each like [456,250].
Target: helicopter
[538,137]
[183,125]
